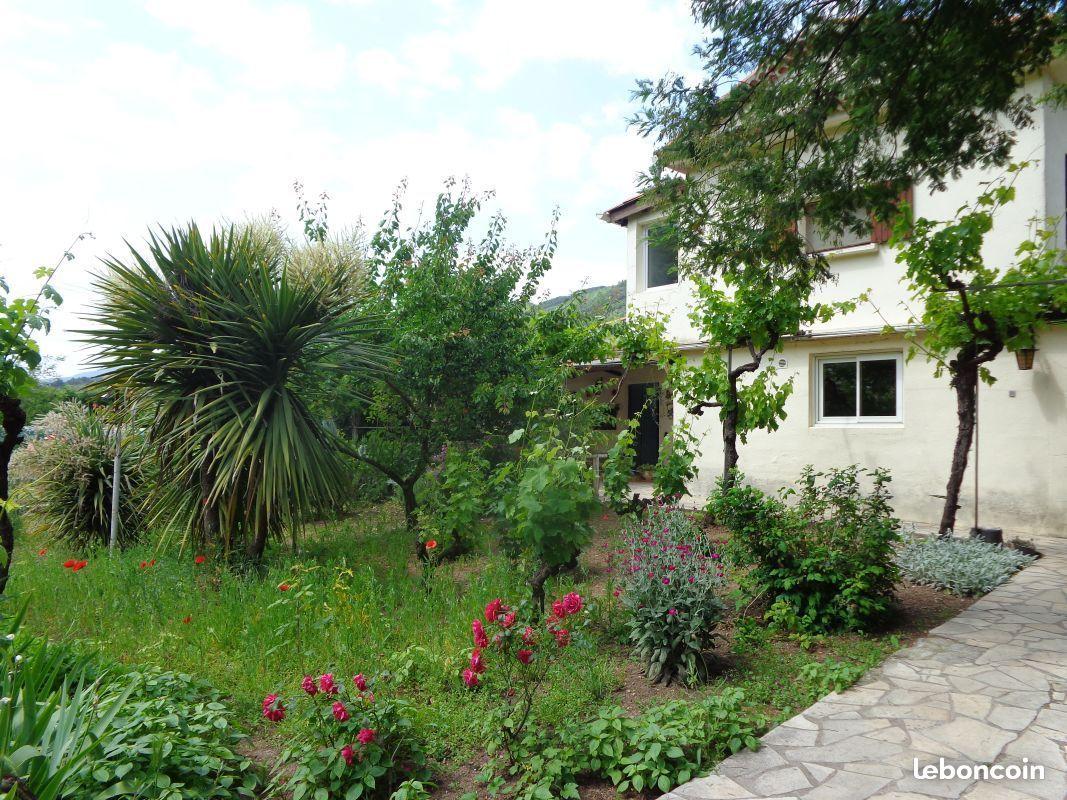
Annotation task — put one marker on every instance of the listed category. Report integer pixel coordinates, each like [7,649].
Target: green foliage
[661,748]
[965,319]
[226,349]
[51,719]
[618,468]
[381,755]
[65,478]
[828,560]
[455,312]
[453,501]
[172,738]
[671,580]
[677,462]
[925,89]
[962,566]
[547,494]
[831,675]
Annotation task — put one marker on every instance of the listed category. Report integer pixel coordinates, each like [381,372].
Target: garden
[333,519]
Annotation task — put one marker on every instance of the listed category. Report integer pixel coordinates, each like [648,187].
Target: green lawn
[370,609]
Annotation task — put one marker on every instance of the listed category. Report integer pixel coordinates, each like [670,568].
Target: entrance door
[643,402]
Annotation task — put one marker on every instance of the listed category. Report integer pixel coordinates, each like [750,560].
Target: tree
[21,319]
[743,319]
[455,313]
[971,311]
[831,107]
[225,349]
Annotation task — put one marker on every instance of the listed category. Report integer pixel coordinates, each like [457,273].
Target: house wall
[872,269]
[1022,432]
[1022,438]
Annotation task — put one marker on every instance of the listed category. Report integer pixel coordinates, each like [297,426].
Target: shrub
[657,750]
[171,739]
[51,718]
[962,566]
[66,478]
[350,742]
[547,499]
[676,465]
[670,579]
[517,658]
[826,563]
[453,501]
[618,468]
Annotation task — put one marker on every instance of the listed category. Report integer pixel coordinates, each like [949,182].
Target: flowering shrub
[671,576]
[514,655]
[351,743]
[825,563]
[962,566]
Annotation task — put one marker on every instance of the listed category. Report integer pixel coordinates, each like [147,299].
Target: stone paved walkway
[986,687]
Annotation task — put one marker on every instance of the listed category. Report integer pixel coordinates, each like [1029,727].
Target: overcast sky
[127,113]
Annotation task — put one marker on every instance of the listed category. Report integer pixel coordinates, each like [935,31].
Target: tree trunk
[258,543]
[729,441]
[544,572]
[965,382]
[14,420]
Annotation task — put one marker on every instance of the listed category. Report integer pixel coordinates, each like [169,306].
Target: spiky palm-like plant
[227,350]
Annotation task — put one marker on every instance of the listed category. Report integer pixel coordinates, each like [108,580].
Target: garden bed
[376,610]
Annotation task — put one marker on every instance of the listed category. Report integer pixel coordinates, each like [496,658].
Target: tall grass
[354,604]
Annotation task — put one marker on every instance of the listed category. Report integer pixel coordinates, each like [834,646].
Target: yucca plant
[64,480]
[226,351]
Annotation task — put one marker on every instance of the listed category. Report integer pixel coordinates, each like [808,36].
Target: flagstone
[986,687]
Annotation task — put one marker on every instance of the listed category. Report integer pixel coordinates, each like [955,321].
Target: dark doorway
[643,401]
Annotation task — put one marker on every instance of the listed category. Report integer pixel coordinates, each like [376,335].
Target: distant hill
[602,301]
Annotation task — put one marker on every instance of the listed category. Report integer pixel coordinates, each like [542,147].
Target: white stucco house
[857,399]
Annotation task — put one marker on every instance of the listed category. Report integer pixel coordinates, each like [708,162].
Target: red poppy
[431,544]
[144,564]
[69,563]
[42,551]
[74,566]
[187,619]
[284,587]
[200,559]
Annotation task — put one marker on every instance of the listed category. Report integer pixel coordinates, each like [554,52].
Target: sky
[125,114]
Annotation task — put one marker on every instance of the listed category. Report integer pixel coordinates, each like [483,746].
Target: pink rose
[470,677]
[508,619]
[273,708]
[360,682]
[340,713]
[308,685]
[528,635]
[572,603]
[365,736]
[524,656]
[563,637]
[348,754]
[326,683]
[480,639]
[558,609]
[477,664]
[493,610]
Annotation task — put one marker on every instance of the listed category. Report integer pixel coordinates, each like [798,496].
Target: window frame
[858,420]
[643,231]
[872,238]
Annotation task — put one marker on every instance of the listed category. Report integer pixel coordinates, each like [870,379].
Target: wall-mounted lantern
[1024,357]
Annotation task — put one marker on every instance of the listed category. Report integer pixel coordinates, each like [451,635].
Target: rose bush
[671,577]
[350,744]
[515,654]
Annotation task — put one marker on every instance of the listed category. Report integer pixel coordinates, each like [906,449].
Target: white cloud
[276,45]
[500,37]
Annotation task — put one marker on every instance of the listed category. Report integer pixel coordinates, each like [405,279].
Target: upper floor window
[859,388]
[660,258]
[820,240]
